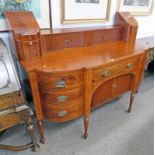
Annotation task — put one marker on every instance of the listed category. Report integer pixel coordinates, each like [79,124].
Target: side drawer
[111,70]
[59,80]
[61,97]
[60,113]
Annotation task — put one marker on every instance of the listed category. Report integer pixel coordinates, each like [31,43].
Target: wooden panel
[129,24]
[7,121]
[106,35]
[28,46]
[11,100]
[25,28]
[55,41]
[12,116]
[111,89]
[60,41]
[102,94]
[61,113]
[121,84]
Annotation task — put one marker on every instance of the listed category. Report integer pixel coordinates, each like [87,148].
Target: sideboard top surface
[86,57]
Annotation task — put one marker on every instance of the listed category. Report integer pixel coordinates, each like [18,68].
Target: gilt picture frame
[80,11]
[136,7]
[42,15]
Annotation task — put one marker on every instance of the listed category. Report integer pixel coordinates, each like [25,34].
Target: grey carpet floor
[112,130]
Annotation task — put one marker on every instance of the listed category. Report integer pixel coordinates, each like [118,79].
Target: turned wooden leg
[86,123]
[41,131]
[131,102]
[30,128]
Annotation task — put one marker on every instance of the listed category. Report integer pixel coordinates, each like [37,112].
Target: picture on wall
[82,11]
[136,7]
[36,6]
[87,1]
[136,2]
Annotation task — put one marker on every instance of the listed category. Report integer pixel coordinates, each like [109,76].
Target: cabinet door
[101,36]
[60,41]
[111,89]
[102,94]
[121,85]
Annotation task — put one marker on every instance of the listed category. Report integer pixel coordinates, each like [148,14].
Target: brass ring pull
[130,65]
[62,99]
[62,113]
[60,84]
[106,72]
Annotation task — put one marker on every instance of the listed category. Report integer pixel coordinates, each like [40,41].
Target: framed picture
[82,11]
[135,7]
[36,6]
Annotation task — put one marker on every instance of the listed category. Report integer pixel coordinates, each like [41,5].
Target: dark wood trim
[50,13]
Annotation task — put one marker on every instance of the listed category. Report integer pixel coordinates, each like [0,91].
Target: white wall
[146,23]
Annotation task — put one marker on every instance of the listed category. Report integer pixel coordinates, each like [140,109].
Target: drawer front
[107,71]
[27,37]
[8,121]
[60,41]
[28,46]
[106,35]
[62,81]
[13,116]
[31,49]
[10,100]
[61,97]
[59,113]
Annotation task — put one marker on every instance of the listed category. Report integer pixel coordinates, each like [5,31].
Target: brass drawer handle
[62,99]
[67,41]
[30,43]
[114,86]
[62,113]
[106,72]
[60,84]
[130,65]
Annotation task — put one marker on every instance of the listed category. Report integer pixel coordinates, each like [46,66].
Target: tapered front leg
[86,123]
[41,131]
[88,98]
[131,102]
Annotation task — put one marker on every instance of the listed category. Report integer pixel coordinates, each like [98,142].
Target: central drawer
[61,97]
[111,70]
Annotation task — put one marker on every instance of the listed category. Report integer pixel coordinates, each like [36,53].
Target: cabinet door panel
[60,41]
[121,84]
[112,89]
[106,35]
[102,94]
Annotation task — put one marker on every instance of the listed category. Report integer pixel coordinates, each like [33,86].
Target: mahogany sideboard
[72,71]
